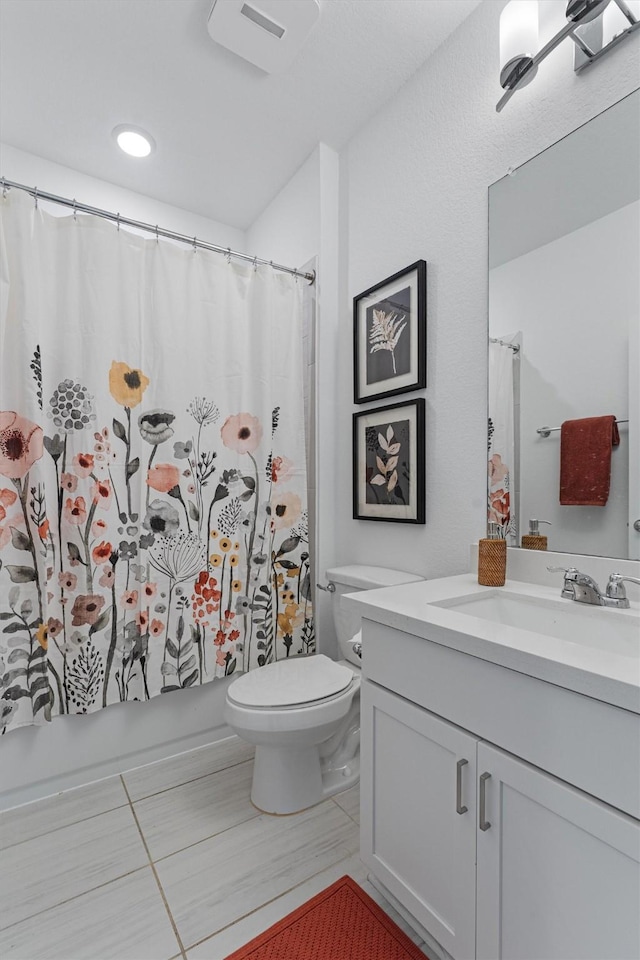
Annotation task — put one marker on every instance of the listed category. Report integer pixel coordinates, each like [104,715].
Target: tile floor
[167,861]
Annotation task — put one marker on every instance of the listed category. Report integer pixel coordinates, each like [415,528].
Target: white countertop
[598,673]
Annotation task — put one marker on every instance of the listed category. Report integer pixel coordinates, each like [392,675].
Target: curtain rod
[151,228]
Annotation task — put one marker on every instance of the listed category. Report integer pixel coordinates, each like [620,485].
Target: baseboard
[91,773]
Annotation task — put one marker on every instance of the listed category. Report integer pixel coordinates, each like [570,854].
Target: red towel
[585,460]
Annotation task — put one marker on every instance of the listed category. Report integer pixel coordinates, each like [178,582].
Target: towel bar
[545,431]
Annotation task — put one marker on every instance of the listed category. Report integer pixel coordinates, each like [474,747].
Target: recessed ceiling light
[134,140]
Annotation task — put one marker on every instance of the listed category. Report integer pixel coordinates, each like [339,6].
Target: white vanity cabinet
[558,872]
[534,867]
[417,771]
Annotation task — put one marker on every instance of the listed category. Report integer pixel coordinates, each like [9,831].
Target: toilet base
[288,780]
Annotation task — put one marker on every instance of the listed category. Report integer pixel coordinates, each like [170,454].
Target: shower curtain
[153,513]
[500,505]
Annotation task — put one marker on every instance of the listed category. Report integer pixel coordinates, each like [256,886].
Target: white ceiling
[229,136]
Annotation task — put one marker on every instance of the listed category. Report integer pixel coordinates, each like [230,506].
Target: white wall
[22,167]
[574,300]
[301,223]
[415,180]
[37,761]
[288,229]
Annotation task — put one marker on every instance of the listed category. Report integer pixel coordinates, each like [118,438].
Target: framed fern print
[388,463]
[390,331]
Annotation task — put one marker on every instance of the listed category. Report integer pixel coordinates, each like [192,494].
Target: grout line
[343,809]
[212,836]
[272,900]
[64,826]
[155,874]
[184,782]
[61,903]
[234,826]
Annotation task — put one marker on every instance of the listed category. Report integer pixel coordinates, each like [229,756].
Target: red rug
[341,923]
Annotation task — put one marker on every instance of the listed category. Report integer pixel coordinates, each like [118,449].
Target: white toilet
[303,714]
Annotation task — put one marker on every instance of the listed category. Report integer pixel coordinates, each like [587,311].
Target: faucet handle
[615,586]
[570,577]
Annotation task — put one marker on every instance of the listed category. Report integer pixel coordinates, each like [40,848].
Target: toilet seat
[291,683]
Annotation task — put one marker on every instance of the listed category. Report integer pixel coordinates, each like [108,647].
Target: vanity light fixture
[133,140]
[595,26]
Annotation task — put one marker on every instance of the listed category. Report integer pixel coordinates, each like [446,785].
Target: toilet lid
[288,683]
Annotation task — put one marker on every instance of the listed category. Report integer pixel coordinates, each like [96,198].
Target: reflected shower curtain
[500,506]
[153,524]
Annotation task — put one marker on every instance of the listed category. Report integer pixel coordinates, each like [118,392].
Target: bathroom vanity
[500,775]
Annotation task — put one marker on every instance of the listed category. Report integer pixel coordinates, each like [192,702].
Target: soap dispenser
[534,540]
[492,557]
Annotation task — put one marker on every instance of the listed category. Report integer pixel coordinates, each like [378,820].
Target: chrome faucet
[616,593]
[584,589]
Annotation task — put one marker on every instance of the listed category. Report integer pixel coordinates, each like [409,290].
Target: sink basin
[592,626]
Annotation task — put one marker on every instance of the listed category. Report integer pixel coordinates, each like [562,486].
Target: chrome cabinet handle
[483,823]
[460,808]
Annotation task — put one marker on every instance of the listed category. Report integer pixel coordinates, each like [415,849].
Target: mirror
[564,315]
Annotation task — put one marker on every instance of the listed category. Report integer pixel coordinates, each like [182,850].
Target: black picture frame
[380,435]
[390,335]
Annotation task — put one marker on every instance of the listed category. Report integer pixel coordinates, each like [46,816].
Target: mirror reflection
[564,308]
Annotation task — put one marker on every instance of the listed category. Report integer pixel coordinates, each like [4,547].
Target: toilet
[303,713]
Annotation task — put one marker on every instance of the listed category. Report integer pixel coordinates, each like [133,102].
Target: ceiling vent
[267,33]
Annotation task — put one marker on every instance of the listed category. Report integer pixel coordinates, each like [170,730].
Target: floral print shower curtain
[153,515]
[500,493]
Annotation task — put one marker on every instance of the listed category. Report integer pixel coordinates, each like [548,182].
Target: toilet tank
[350,579]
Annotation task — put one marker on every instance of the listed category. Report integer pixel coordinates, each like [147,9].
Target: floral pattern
[20,444]
[498,494]
[119,582]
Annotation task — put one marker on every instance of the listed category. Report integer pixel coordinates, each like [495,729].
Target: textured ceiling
[229,136]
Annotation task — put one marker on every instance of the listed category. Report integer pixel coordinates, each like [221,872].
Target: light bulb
[518,41]
[133,140]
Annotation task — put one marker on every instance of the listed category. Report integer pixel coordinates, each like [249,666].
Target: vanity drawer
[588,743]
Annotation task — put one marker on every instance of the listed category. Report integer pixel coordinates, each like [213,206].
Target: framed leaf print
[390,330]
[388,463]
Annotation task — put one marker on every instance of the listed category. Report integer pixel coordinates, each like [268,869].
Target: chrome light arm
[521,70]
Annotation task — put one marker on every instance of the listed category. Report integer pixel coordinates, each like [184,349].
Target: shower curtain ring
[4,190]
[74,210]
[229,255]
[35,196]
[157,234]
[195,247]
[255,264]
[118,221]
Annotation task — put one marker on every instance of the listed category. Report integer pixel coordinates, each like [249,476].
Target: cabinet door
[557,872]
[412,837]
